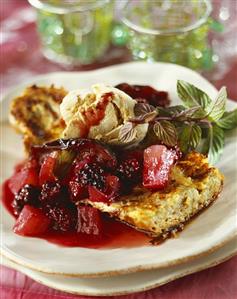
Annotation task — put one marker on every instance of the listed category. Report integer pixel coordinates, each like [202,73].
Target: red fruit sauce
[93,116]
[115,234]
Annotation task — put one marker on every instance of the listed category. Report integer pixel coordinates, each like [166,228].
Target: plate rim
[126,292]
[9,90]
[130,269]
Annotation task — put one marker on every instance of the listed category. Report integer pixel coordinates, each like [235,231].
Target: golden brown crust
[193,185]
[36,114]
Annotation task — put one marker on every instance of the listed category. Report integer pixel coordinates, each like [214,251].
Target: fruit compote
[47,193]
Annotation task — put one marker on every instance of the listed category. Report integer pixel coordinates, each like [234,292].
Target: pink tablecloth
[21,59]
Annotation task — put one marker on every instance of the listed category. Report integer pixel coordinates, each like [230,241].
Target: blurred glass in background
[199,34]
[169,30]
[74,31]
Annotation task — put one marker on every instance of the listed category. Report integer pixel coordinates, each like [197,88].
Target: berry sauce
[115,234]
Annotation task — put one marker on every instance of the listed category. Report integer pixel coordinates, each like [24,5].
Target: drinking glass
[169,30]
[74,31]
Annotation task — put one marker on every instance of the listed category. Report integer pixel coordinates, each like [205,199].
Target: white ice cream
[118,111]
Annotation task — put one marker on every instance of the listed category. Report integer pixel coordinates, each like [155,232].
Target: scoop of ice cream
[99,114]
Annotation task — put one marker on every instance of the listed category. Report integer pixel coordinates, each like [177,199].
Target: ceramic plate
[216,226]
[129,283]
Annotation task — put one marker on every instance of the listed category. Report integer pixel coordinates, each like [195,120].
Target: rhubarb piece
[100,152]
[26,175]
[31,222]
[97,195]
[110,193]
[77,191]
[47,170]
[158,160]
[89,221]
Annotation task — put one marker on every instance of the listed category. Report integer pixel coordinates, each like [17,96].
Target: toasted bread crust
[193,185]
[36,114]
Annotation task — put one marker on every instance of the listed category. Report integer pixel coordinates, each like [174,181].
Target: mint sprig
[192,96]
[189,137]
[166,131]
[216,143]
[217,108]
[198,124]
[228,120]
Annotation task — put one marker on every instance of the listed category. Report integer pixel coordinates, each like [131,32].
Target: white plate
[208,232]
[129,283]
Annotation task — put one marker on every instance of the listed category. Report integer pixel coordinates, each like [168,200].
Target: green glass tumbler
[74,31]
[170,31]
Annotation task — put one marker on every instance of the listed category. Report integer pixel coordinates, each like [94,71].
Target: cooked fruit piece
[129,170]
[36,114]
[63,216]
[97,195]
[92,175]
[26,175]
[28,195]
[85,148]
[89,220]
[111,190]
[193,186]
[31,222]
[46,173]
[77,191]
[145,92]
[51,193]
[158,160]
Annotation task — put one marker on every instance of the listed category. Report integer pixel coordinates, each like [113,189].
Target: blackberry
[51,192]
[64,217]
[92,175]
[27,195]
[129,170]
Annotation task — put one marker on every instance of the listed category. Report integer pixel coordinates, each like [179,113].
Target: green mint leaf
[203,145]
[144,113]
[199,114]
[127,133]
[170,111]
[228,120]
[175,109]
[142,108]
[189,137]
[191,95]
[150,116]
[166,132]
[145,118]
[216,144]
[217,108]
[194,113]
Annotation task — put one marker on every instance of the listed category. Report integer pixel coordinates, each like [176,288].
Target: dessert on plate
[108,161]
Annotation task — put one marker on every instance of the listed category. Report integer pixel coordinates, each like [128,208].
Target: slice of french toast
[35,114]
[193,185]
